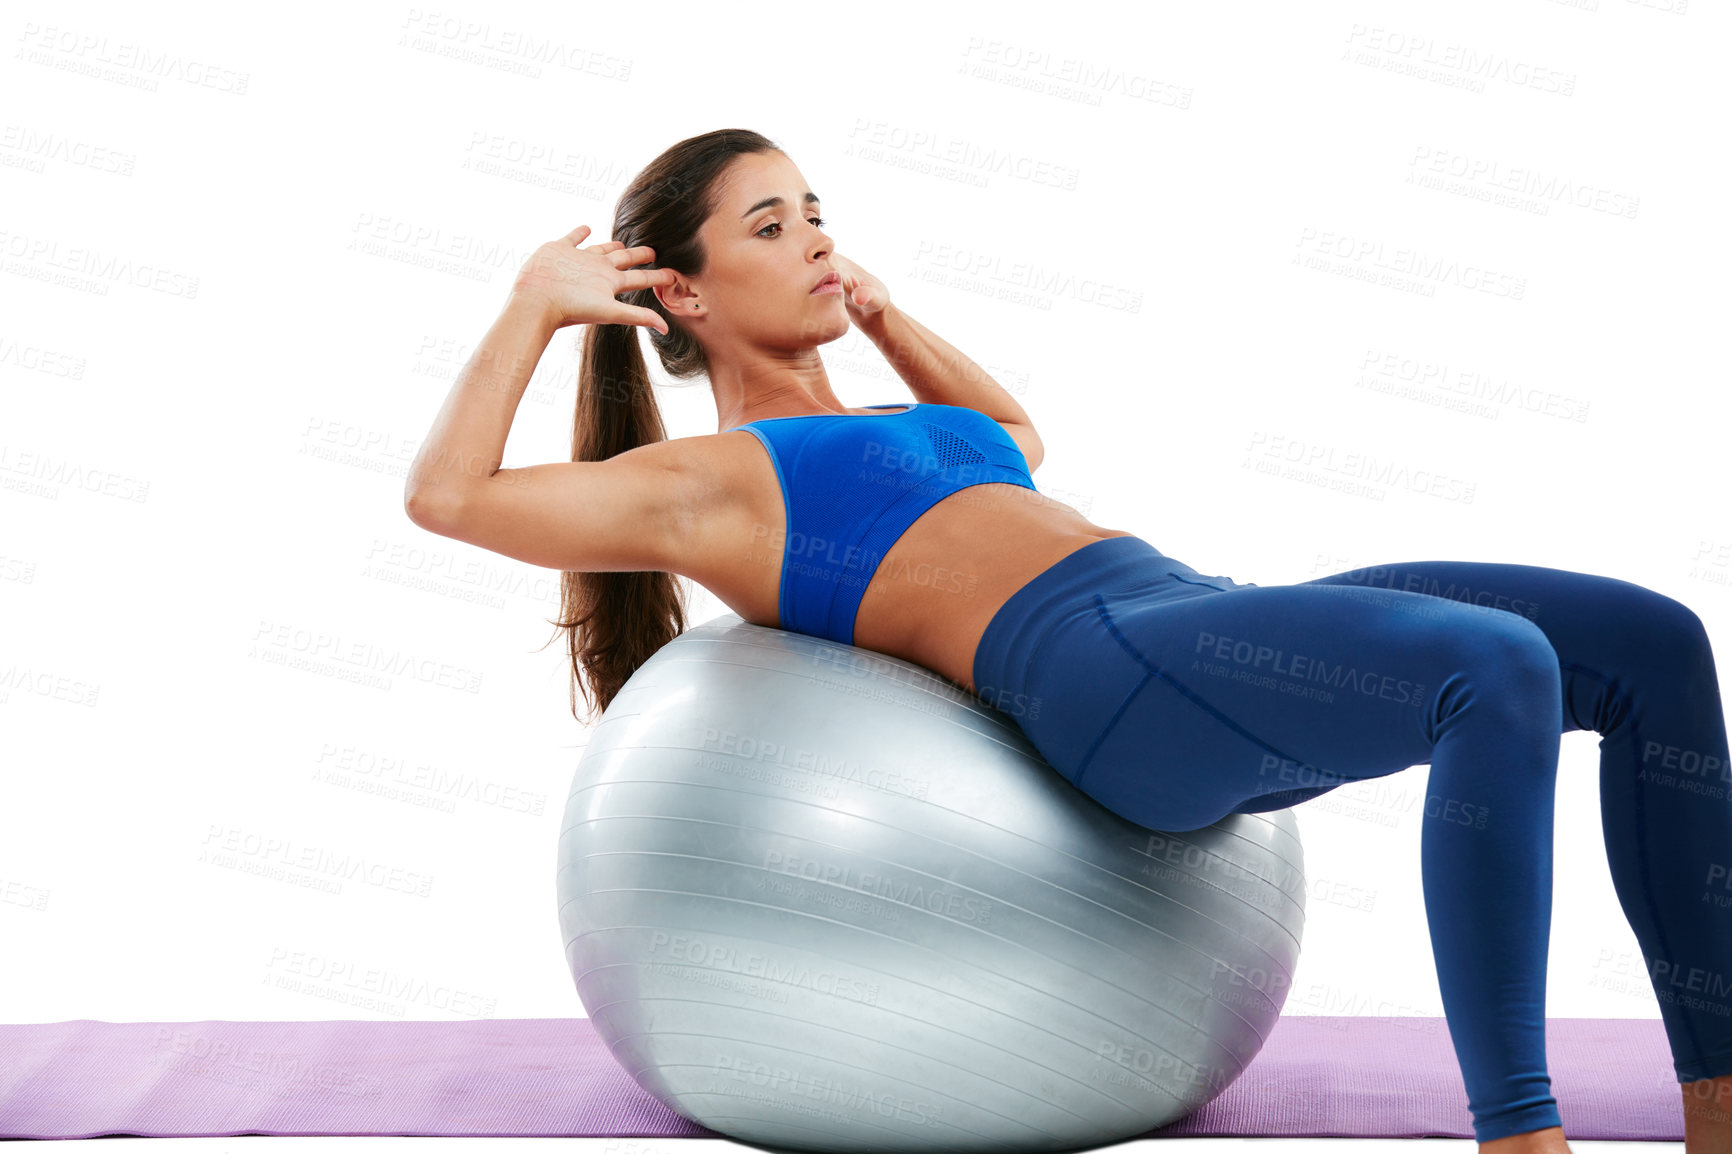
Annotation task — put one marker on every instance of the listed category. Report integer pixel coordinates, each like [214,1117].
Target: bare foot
[1547,1141]
[1708,1115]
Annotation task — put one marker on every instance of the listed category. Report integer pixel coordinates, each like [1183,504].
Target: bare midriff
[937,587]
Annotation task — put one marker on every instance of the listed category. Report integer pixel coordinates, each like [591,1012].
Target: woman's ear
[679,298]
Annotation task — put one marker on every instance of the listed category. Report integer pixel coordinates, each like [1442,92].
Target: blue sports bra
[852,484]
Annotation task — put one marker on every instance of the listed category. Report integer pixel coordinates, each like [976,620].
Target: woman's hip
[1048,658]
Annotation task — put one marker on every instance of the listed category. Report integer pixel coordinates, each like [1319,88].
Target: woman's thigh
[1253,690]
[1607,632]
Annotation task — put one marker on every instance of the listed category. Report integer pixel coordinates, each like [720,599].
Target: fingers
[632,315]
[625,257]
[638,278]
[577,233]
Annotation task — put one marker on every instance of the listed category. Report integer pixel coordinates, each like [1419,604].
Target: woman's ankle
[1708,1115]
[1549,1140]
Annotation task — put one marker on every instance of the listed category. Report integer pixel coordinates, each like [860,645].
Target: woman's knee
[1512,649]
[1662,624]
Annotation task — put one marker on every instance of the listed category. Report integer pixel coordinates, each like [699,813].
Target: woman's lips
[829,286]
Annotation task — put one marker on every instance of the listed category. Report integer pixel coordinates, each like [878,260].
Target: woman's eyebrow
[772,201]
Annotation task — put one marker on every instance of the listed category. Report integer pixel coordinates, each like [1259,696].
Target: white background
[1477,249]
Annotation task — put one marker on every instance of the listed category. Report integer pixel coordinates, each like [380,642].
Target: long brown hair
[615,621]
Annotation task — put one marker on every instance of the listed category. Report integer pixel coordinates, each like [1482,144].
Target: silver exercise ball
[820,898]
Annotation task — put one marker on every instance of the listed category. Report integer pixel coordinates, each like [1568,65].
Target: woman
[1171,696]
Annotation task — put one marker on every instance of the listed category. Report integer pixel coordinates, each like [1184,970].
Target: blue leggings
[1175,699]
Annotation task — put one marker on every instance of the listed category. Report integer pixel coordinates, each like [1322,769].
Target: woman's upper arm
[618,515]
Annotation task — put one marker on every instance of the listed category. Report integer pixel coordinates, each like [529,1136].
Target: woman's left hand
[863,293]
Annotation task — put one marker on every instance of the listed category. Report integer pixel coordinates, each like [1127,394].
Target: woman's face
[761,263]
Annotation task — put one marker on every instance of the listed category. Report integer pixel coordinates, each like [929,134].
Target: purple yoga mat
[1350,1077]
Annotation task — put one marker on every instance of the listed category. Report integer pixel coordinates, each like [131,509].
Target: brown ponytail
[615,621]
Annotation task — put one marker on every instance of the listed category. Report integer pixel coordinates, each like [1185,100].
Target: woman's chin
[825,325]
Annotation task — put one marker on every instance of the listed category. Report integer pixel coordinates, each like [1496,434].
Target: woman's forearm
[467,441]
[936,370]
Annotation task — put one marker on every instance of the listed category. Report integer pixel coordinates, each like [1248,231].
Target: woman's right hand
[578,285]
